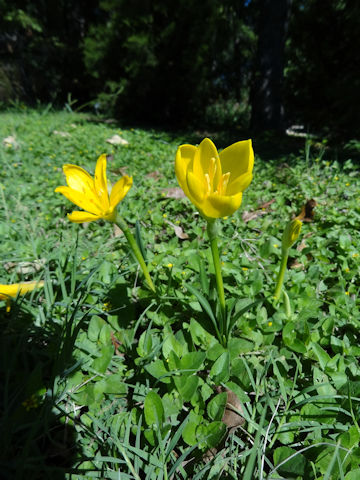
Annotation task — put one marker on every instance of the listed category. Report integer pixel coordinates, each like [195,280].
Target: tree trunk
[266,95]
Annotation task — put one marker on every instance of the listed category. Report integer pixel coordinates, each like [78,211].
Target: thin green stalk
[280,278]
[212,234]
[136,250]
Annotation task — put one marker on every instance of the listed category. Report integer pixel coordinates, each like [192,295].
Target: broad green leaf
[191,362]
[216,406]
[189,432]
[145,344]
[294,466]
[210,436]
[353,475]
[237,346]
[322,356]
[199,335]
[95,325]
[220,371]
[153,409]
[186,386]
[114,384]
[101,363]
[158,370]
[105,334]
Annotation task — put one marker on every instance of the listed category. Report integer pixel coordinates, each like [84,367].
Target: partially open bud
[291,233]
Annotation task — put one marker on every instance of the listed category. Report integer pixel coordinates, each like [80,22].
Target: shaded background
[256,64]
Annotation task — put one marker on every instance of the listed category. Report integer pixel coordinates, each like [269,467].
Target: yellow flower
[291,233]
[214,182]
[12,291]
[91,194]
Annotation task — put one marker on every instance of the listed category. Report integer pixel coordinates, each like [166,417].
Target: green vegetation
[103,379]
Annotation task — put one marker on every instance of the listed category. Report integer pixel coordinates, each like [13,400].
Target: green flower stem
[212,234]
[280,278]
[136,250]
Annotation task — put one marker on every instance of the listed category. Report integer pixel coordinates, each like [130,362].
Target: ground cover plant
[104,378]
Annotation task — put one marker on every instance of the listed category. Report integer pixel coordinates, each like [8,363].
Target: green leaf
[158,370]
[210,436]
[172,344]
[95,325]
[199,335]
[189,432]
[153,409]
[216,406]
[114,384]
[105,334]
[205,305]
[353,475]
[204,277]
[237,346]
[186,386]
[101,363]
[239,392]
[191,362]
[144,347]
[322,356]
[291,340]
[220,371]
[295,465]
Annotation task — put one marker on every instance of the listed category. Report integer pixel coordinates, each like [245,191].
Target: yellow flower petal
[78,179]
[196,186]
[202,159]
[239,184]
[81,200]
[100,182]
[184,156]
[119,190]
[237,159]
[221,205]
[82,217]
[16,289]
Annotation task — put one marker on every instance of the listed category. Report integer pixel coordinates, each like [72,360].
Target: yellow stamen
[223,183]
[208,183]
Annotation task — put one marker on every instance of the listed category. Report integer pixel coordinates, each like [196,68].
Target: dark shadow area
[36,440]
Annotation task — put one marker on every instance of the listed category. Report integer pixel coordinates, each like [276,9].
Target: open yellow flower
[91,194]
[12,291]
[214,182]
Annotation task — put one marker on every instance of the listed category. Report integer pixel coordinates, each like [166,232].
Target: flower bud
[291,233]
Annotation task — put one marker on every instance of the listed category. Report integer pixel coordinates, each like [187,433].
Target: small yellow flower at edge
[12,291]
[214,182]
[91,194]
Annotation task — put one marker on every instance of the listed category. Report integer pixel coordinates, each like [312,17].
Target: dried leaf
[307,212]
[174,192]
[232,418]
[247,216]
[178,231]
[267,204]
[293,263]
[155,175]
[24,268]
[120,170]
[117,232]
[10,142]
[117,140]
[61,134]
